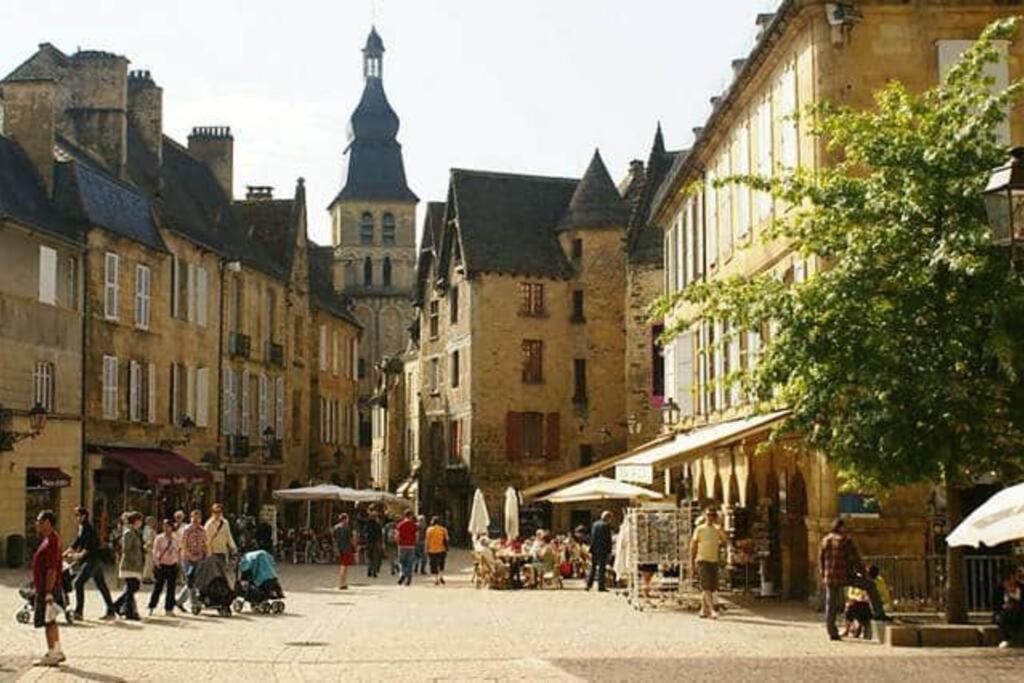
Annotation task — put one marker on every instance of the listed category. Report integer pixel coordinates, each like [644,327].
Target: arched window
[389,229]
[366,228]
[367,271]
[387,271]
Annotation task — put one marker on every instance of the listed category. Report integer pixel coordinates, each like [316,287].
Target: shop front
[44,487]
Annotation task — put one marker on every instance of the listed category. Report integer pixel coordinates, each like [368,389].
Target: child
[858,609]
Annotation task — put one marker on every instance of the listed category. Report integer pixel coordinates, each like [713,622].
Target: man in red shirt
[46,569]
[407,533]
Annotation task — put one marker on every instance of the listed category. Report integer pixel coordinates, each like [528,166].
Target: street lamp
[9,437]
[1004,201]
[634,425]
[670,413]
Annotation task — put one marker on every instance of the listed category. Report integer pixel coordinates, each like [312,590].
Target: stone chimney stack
[215,146]
[98,111]
[146,111]
[29,118]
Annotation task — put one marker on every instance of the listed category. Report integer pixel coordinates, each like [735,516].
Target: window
[858,505]
[579,373]
[454,370]
[724,194]
[741,166]
[531,299]
[533,361]
[43,381]
[586,454]
[435,308]
[950,52]
[577,249]
[179,288]
[202,296]
[335,353]
[279,409]
[181,402]
[235,292]
[109,387]
[764,155]
[577,306]
[270,319]
[670,259]
[362,368]
[323,420]
[366,228]
[787,116]
[453,304]
[435,368]
[323,348]
[142,274]
[299,338]
[47,275]
[386,271]
[367,272]
[244,404]
[229,394]
[135,409]
[67,282]
[533,435]
[262,405]
[388,225]
[657,365]
[110,283]
[711,219]
[202,397]
[455,442]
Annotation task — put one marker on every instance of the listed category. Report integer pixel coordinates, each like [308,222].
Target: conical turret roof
[596,203]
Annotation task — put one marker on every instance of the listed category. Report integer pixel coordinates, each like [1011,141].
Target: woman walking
[344,543]
[437,548]
[166,555]
[149,534]
[130,567]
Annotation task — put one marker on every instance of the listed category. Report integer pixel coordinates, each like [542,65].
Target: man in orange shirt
[437,548]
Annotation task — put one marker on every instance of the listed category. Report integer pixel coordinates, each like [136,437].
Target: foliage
[901,358]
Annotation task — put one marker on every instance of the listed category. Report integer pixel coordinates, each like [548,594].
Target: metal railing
[919,583]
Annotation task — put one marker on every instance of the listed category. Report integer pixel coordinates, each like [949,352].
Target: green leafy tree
[901,359]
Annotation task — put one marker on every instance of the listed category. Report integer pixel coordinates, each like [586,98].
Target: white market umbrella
[319,492]
[511,513]
[479,520]
[601,488]
[999,520]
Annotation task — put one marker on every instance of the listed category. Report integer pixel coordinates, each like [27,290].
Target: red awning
[161,468]
[46,477]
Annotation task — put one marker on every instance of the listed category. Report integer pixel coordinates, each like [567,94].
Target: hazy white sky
[527,86]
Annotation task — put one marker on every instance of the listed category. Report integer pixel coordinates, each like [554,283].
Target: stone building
[40,329]
[373,225]
[389,467]
[807,51]
[520,337]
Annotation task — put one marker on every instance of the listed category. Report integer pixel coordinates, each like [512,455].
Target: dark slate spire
[374,169]
[658,148]
[596,203]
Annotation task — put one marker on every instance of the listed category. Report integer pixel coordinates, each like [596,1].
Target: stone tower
[373,221]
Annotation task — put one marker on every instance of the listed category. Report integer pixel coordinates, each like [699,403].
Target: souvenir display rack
[658,535]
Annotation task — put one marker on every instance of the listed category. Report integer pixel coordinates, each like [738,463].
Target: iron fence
[919,583]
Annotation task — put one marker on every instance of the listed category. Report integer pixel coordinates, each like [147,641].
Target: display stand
[657,537]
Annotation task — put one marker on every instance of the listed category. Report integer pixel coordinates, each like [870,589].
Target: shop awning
[159,467]
[46,478]
[640,467]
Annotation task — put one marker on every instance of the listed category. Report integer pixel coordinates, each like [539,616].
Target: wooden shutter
[134,390]
[552,436]
[513,435]
[202,296]
[244,429]
[279,409]
[151,399]
[175,284]
[47,275]
[190,292]
[202,396]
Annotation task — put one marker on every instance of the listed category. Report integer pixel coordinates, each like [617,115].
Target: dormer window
[366,228]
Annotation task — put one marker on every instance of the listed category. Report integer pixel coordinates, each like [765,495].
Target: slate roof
[84,187]
[321,287]
[23,196]
[596,203]
[506,222]
[271,225]
[433,234]
[46,62]
[374,44]
[644,241]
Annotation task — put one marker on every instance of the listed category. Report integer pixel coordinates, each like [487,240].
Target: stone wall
[643,286]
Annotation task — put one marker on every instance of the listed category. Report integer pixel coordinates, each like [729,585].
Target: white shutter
[788,104]
[279,411]
[764,155]
[190,392]
[142,297]
[191,292]
[110,283]
[202,396]
[335,355]
[175,393]
[799,270]
[668,354]
[175,286]
[323,348]
[684,373]
[742,167]
[151,398]
[725,222]
[262,405]
[225,402]
[711,215]
[719,366]
[353,367]
[734,364]
[134,390]
[323,417]
[950,52]
[244,393]
[202,296]
[110,387]
[47,275]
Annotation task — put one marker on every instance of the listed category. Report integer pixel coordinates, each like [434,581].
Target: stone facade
[334,408]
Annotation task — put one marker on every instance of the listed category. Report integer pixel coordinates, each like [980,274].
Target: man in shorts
[46,569]
[708,539]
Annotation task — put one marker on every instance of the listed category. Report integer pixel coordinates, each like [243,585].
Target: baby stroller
[210,587]
[28,594]
[256,583]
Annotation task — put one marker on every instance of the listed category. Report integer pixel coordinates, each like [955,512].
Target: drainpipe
[222,262]
[83,464]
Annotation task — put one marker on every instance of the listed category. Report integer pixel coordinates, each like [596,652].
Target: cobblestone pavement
[377,630]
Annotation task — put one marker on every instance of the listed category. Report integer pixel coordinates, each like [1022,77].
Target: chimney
[737,66]
[146,111]
[98,111]
[762,22]
[258,192]
[698,131]
[29,119]
[214,146]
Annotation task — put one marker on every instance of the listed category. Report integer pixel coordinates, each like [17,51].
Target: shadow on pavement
[89,675]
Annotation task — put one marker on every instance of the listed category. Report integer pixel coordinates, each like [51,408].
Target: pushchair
[256,583]
[28,594]
[210,587]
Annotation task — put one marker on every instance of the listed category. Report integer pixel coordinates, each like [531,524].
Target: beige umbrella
[511,513]
[601,488]
[479,520]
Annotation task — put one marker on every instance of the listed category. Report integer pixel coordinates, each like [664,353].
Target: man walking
[219,540]
[406,534]
[374,544]
[708,539]
[600,549]
[46,569]
[840,565]
[193,551]
[86,549]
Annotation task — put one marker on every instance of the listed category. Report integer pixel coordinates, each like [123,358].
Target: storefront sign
[635,474]
[47,478]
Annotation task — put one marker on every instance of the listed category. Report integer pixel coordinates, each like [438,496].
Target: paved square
[377,630]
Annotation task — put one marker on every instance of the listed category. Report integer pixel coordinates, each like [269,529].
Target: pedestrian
[437,548]
[406,536]
[344,544]
[166,556]
[840,566]
[705,547]
[130,567]
[600,549]
[46,570]
[421,548]
[219,540]
[86,550]
[149,534]
[193,551]
[1008,606]
[374,544]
